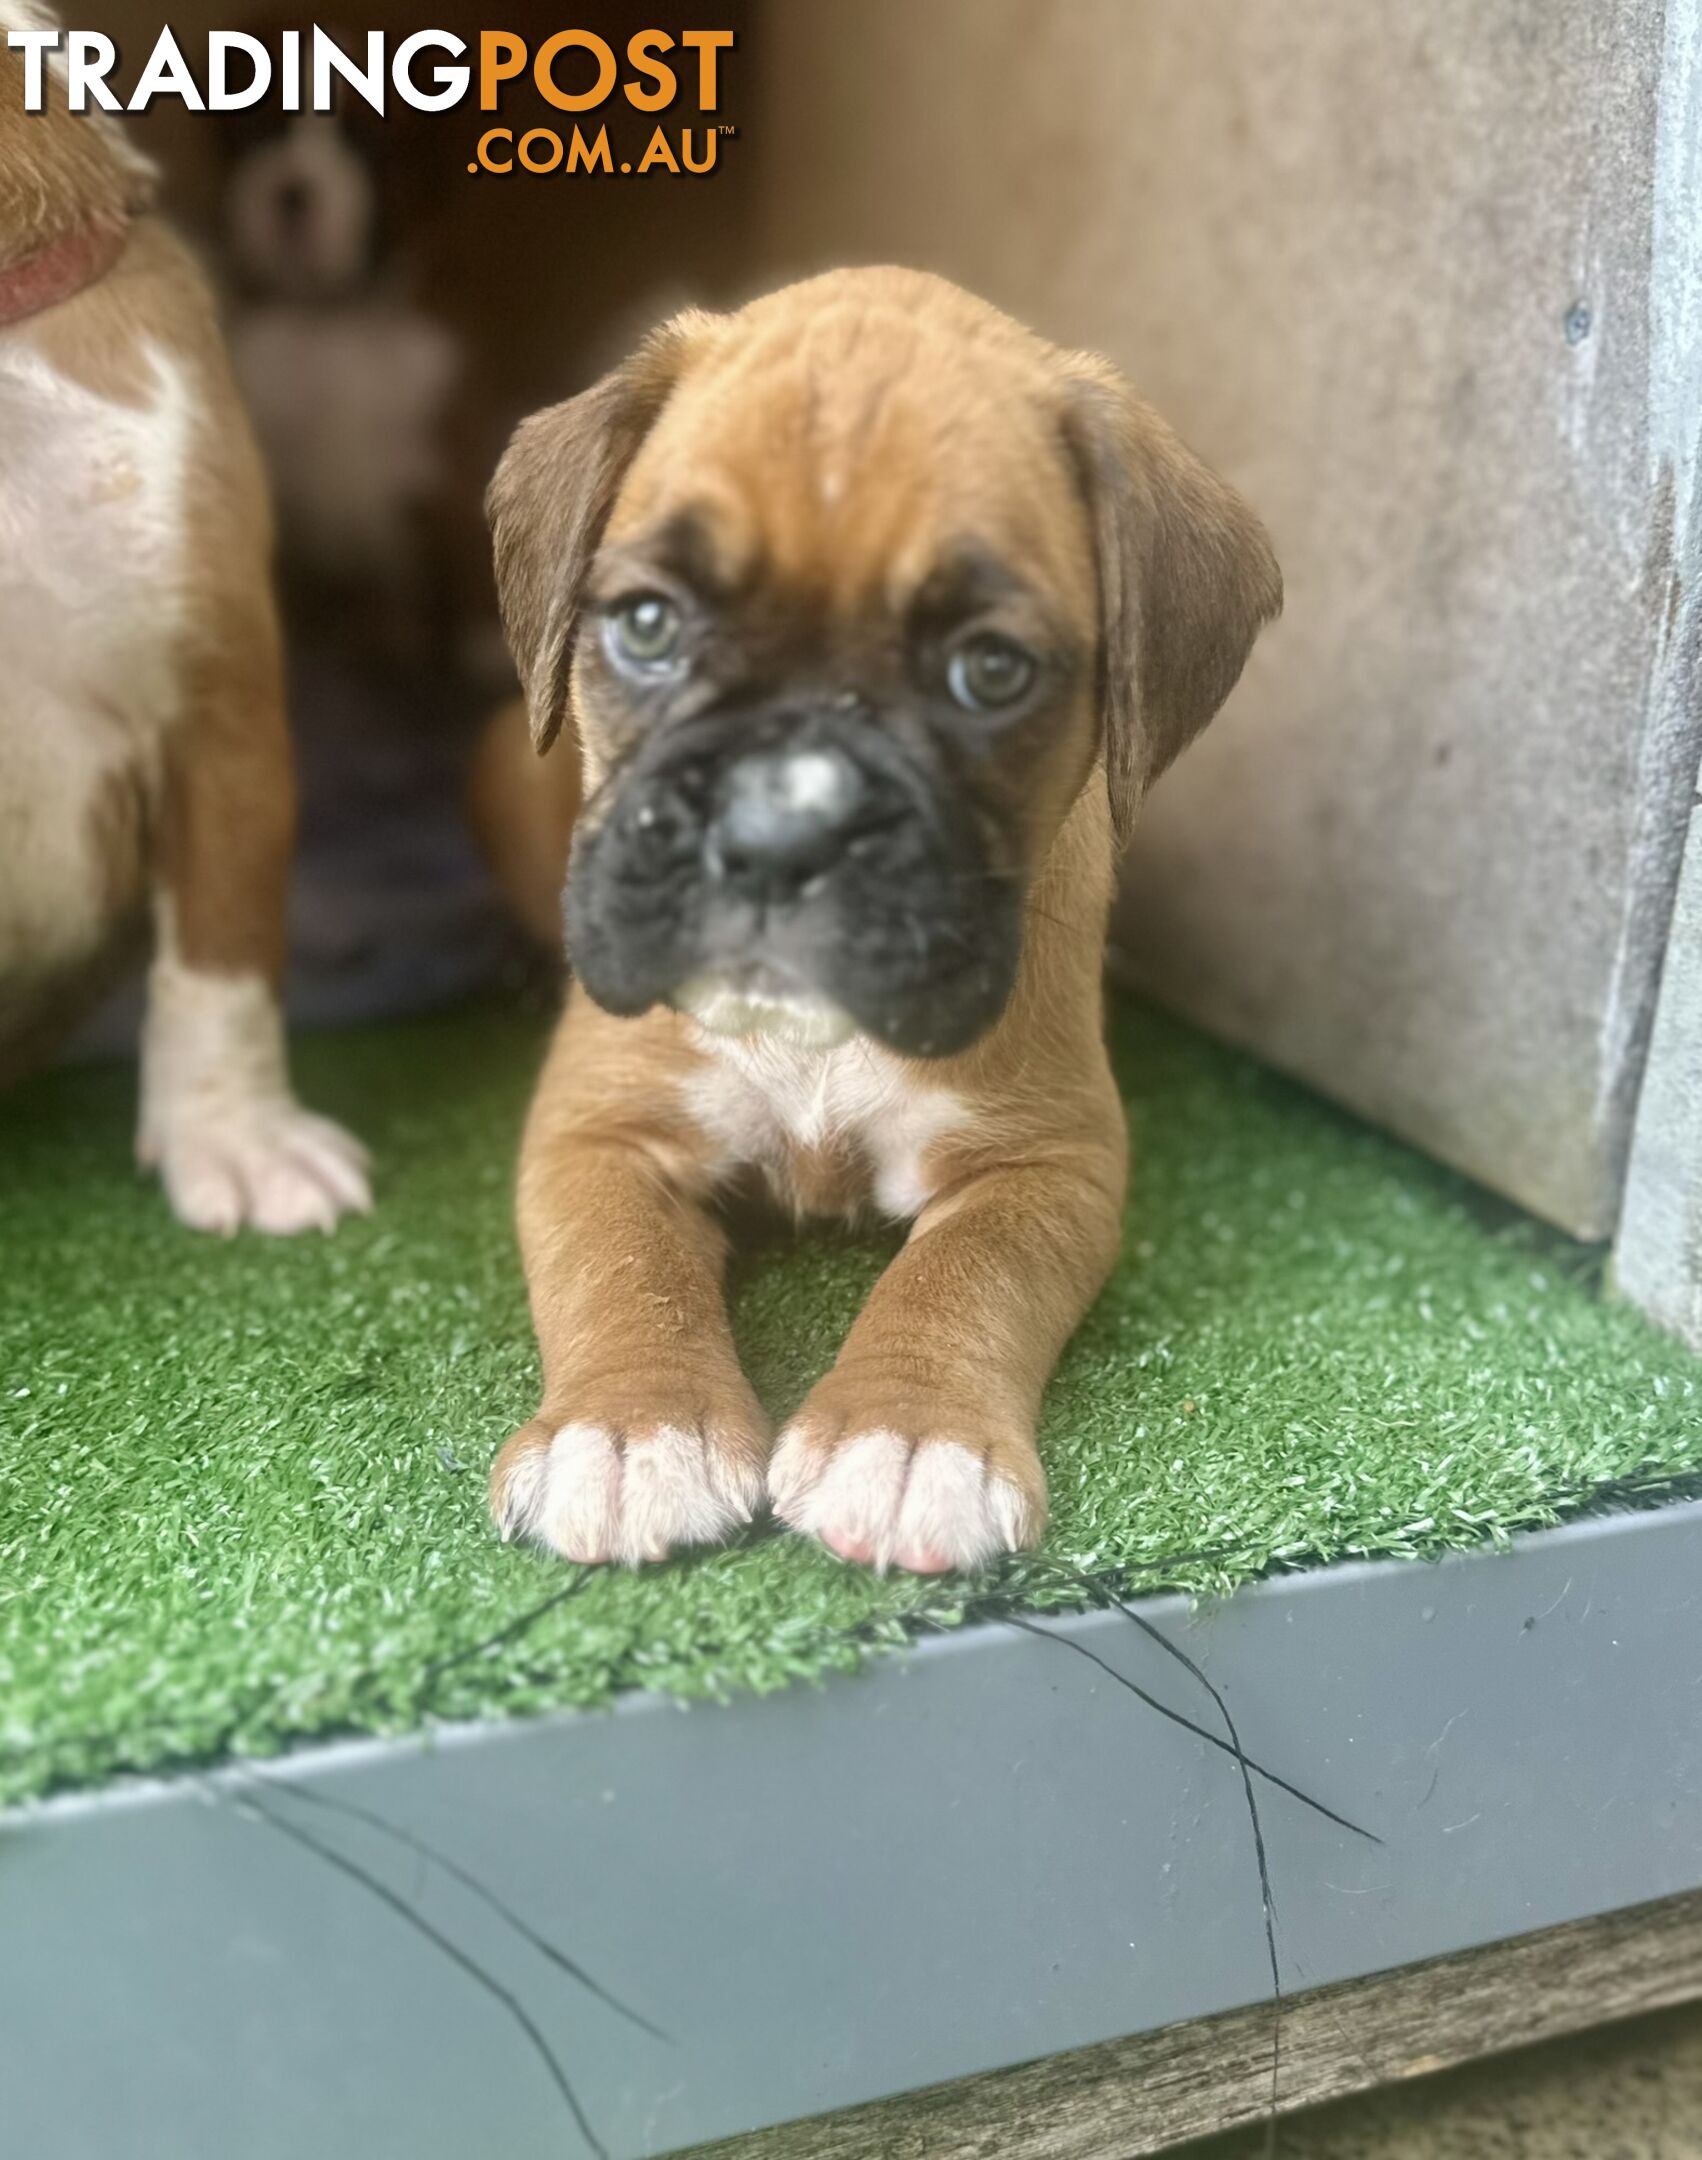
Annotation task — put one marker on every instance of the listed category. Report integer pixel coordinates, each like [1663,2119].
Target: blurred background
[391,317]
[1422,282]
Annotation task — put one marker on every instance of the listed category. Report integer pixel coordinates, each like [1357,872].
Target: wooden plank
[1155,2089]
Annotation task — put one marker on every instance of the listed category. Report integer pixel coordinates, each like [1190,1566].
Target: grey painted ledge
[971,1856]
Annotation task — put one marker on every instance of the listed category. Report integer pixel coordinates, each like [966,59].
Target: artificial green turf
[242,1493]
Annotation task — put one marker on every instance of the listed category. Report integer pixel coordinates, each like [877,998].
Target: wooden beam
[1134,2096]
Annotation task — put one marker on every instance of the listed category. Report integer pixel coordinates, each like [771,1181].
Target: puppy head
[314,204]
[62,174]
[851,594]
[300,209]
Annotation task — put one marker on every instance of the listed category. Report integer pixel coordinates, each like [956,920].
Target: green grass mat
[242,1486]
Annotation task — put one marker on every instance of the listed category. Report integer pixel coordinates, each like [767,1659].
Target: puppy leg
[917,1449]
[649,1437]
[218,1120]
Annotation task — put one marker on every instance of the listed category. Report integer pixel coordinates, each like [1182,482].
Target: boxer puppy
[144,762]
[874,617]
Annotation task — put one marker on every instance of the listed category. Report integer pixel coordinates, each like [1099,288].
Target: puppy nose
[293,202]
[785,817]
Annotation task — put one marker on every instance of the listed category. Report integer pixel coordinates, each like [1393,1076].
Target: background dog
[364,397]
[874,616]
[144,761]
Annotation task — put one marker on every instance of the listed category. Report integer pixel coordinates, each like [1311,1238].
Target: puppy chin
[772,1011]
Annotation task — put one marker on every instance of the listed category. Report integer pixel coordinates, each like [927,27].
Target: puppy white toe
[579,1506]
[955,1513]
[679,1490]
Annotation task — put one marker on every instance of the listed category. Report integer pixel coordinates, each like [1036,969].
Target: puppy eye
[644,630]
[988,672]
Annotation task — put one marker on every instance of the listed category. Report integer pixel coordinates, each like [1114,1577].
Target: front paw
[634,1479]
[906,1482]
[268,1163]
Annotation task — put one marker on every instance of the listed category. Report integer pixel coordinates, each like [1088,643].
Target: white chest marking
[91,513]
[92,545]
[758,1099]
[348,402]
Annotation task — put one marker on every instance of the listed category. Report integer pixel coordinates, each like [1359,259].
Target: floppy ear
[1186,578]
[550,500]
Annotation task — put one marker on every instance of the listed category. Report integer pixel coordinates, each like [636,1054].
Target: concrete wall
[1390,268]
[1658,1253]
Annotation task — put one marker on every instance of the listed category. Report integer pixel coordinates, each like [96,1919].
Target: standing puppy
[365,401]
[874,616]
[144,760]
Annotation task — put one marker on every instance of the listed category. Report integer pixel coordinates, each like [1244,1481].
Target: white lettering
[451,81]
[35,45]
[221,44]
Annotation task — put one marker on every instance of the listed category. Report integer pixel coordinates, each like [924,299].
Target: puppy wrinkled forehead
[848,455]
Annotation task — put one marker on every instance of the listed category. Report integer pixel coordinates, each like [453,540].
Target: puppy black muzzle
[809,849]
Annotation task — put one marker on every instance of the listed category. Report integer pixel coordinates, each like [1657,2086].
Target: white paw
[924,1505]
[269,1164]
[595,1495]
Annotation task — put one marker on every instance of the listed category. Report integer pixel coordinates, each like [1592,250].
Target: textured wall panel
[1422,281]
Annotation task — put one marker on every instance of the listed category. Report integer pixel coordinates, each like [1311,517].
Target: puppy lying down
[873,616]
[144,761]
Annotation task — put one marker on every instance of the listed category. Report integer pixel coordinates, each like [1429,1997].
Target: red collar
[58,271]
